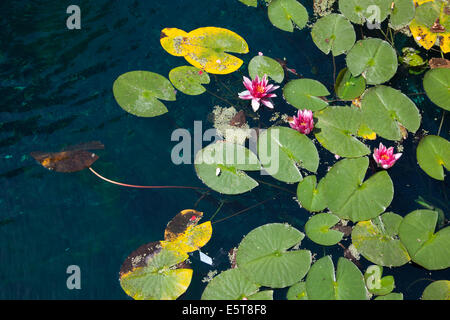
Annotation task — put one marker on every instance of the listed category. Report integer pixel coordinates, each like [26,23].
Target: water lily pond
[225,150]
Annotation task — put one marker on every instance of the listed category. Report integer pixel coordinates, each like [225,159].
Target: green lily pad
[349,87]
[189,80]
[437,86]
[264,258]
[231,285]
[261,65]
[374,59]
[433,154]
[391,296]
[428,12]
[347,284]
[250,3]
[310,195]
[221,167]
[281,150]
[377,240]
[297,292]
[154,273]
[385,109]
[333,33]
[336,130]
[137,92]
[317,228]
[403,13]
[305,94]
[350,198]
[283,14]
[438,290]
[376,284]
[426,248]
[359,11]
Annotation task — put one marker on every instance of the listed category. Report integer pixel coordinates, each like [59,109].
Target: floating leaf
[333,33]
[437,86]
[137,92]
[71,159]
[349,87]
[352,199]
[297,292]
[250,3]
[189,80]
[220,166]
[191,240]
[284,13]
[281,150]
[391,296]
[347,284]
[402,14]
[377,240]
[262,65]
[306,94]
[311,195]
[385,110]
[264,258]
[438,290]
[154,273]
[376,284]
[232,285]
[206,48]
[426,248]
[317,228]
[336,130]
[181,223]
[433,154]
[358,11]
[374,58]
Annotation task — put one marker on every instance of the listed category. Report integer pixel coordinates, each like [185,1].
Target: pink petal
[255,105]
[248,84]
[268,104]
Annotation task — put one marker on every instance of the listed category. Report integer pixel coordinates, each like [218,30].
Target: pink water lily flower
[259,91]
[304,122]
[385,157]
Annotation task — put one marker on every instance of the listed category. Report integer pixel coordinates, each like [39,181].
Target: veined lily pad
[376,284]
[433,154]
[206,48]
[347,284]
[232,285]
[181,223]
[336,130]
[385,109]
[154,273]
[297,292]
[358,11]
[438,290]
[284,13]
[349,87]
[137,92]
[189,80]
[374,59]
[402,14]
[264,258]
[333,33]
[350,198]
[437,86]
[282,149]
[261,65]
[317,228]
[426,248]
[377,240]
[311,195]
[220,166]
[191,240]
[391,296]
[305,94]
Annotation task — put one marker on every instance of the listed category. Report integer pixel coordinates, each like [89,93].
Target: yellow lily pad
[206,48]
[191,240]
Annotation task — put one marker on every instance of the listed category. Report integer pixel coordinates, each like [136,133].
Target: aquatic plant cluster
[350,200]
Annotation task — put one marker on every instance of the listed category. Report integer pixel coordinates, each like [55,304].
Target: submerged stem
[141,187]
[442,122]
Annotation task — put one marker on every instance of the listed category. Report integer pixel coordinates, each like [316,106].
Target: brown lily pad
[182,221]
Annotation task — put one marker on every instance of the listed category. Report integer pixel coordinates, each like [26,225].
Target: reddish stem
[141,187]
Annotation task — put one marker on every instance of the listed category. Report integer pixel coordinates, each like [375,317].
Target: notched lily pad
[189,80]
[262,65]
[433,155]
[438,290]
[318,229]
[349,87]
[437,86]
[310,195]
[284,14]
[306,94]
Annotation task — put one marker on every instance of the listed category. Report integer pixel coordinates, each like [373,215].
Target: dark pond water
[56,90]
